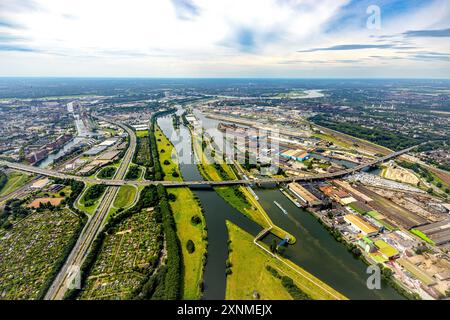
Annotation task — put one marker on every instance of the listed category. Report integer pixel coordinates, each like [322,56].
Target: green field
[166,155]
[142,133]
[248,265]
[249,273]
[184,208]
[15,181]
[125,197]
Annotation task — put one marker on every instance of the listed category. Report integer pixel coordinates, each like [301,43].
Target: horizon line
[218,78]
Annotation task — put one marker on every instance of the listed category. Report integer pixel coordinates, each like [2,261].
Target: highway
[92,227]
[118,180]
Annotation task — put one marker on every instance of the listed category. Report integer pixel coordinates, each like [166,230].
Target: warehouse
[439,232]
[361,225]
[388,251]
[303,194]
[295,154]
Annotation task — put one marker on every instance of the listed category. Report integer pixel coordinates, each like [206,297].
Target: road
[118,180]
[92,227]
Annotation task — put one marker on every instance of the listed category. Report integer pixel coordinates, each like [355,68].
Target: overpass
[121,182]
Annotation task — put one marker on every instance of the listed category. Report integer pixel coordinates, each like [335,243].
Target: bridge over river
[115,182]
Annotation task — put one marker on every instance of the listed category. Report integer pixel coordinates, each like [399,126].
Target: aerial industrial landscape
[171,191]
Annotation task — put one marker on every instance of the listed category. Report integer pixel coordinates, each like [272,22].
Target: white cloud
[213,37]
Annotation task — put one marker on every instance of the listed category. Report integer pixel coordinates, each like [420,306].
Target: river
[315,250]
[217,211]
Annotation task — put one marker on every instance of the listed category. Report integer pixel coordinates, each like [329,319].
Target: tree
[196,220]
[171,197]
[281,250]
[190,246]
[273,246]
[175,174]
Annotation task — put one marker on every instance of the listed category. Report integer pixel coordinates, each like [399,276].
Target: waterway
[217,211]
[82,133]
[315,250]
[67,147]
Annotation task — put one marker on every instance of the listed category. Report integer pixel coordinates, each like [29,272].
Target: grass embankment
[184,207]
[125,196]
[168,162]
[334,140]
[15,180]
[213,168]
[249,272]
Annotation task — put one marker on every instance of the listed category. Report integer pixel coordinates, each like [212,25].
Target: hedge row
[295,292]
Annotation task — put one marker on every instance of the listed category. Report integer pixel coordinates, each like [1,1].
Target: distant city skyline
[225,38]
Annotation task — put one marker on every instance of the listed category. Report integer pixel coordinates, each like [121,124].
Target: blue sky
[225,38]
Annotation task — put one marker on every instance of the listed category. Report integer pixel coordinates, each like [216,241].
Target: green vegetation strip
[14,181]
[189,220]
[254,271]
[422,236]
[167,156]
[191,227]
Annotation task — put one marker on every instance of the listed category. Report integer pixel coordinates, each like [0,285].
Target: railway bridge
[204,183]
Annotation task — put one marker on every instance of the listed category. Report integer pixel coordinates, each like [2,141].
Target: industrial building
[388,251]
[295,154]
[303,194]
[41,183]
[438,232]
[361,225]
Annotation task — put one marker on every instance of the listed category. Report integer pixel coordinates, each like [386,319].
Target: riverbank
[189,220]
[212,167]
[265,278]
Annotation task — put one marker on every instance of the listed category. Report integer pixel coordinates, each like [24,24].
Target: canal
[315,250]
[62,152]
[217,211]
